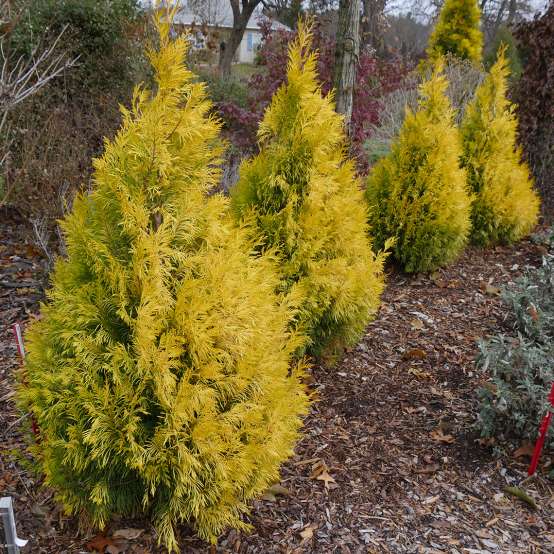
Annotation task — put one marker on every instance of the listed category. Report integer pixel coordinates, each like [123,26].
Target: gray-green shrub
[521,367]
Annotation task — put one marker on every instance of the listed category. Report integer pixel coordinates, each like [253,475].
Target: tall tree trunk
[346,56]
[240,21]
[512,12]
[372,23]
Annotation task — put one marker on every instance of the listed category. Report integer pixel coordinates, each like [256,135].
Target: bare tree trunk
[240,21]
[372,23]
[499,17]
[346,56]
[512,12]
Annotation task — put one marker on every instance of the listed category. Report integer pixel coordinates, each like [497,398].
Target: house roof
[214,13]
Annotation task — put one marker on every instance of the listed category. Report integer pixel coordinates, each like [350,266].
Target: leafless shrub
[48,239]
[230,173]
[53,152]
[20,78]
[41,231]
[463,78]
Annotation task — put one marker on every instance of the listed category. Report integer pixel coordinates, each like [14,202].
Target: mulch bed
[390,460]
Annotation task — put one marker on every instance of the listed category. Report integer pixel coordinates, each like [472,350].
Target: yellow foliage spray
[303,198]
[159,373]
[417,194]
[506,207]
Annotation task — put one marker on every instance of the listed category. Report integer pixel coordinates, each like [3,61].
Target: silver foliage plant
[463,78]
[521,367]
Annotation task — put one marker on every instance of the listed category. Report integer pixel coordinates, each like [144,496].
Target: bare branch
[27,77]
[22,77]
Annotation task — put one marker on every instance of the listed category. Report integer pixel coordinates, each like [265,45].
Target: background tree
[373,24]
[498,13]
[208,12]
[288,12]
[347,54]
[242,12]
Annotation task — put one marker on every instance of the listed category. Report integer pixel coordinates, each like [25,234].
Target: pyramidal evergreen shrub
[159,373]
[505,207]
[457,31]
[302,195]
[417,193]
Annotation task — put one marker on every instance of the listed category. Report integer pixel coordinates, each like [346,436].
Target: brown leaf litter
[389,461]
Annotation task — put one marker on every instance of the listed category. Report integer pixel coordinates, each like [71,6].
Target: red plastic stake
[21,351]
[542,436]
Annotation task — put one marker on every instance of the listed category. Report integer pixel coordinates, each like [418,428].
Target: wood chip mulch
[390,460]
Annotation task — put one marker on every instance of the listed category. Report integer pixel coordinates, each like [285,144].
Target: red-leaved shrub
[535,97]
[375,78]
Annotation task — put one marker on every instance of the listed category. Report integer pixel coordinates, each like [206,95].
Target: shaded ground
[389,461]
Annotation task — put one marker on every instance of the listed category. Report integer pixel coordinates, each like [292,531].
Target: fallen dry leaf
[415,354]
[308,532]
[442,392]
[319,467]
[326,478]
[439,436]
[526,449]
[489,289]
[417,324]
[99,543]
[419,373]
[533,312]
[274,491]
[320,472]
[129,533]
[437,280]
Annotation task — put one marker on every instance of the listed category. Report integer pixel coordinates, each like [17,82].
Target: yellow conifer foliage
[303,198]
[417,194]
[159,373]
[506,207]
[457,31]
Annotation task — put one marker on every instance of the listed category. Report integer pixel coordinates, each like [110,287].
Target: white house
[213,19]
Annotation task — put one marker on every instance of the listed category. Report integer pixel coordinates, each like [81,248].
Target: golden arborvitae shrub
[417,193]
[303,198]
[506,207]
[159,373]
[457,31]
